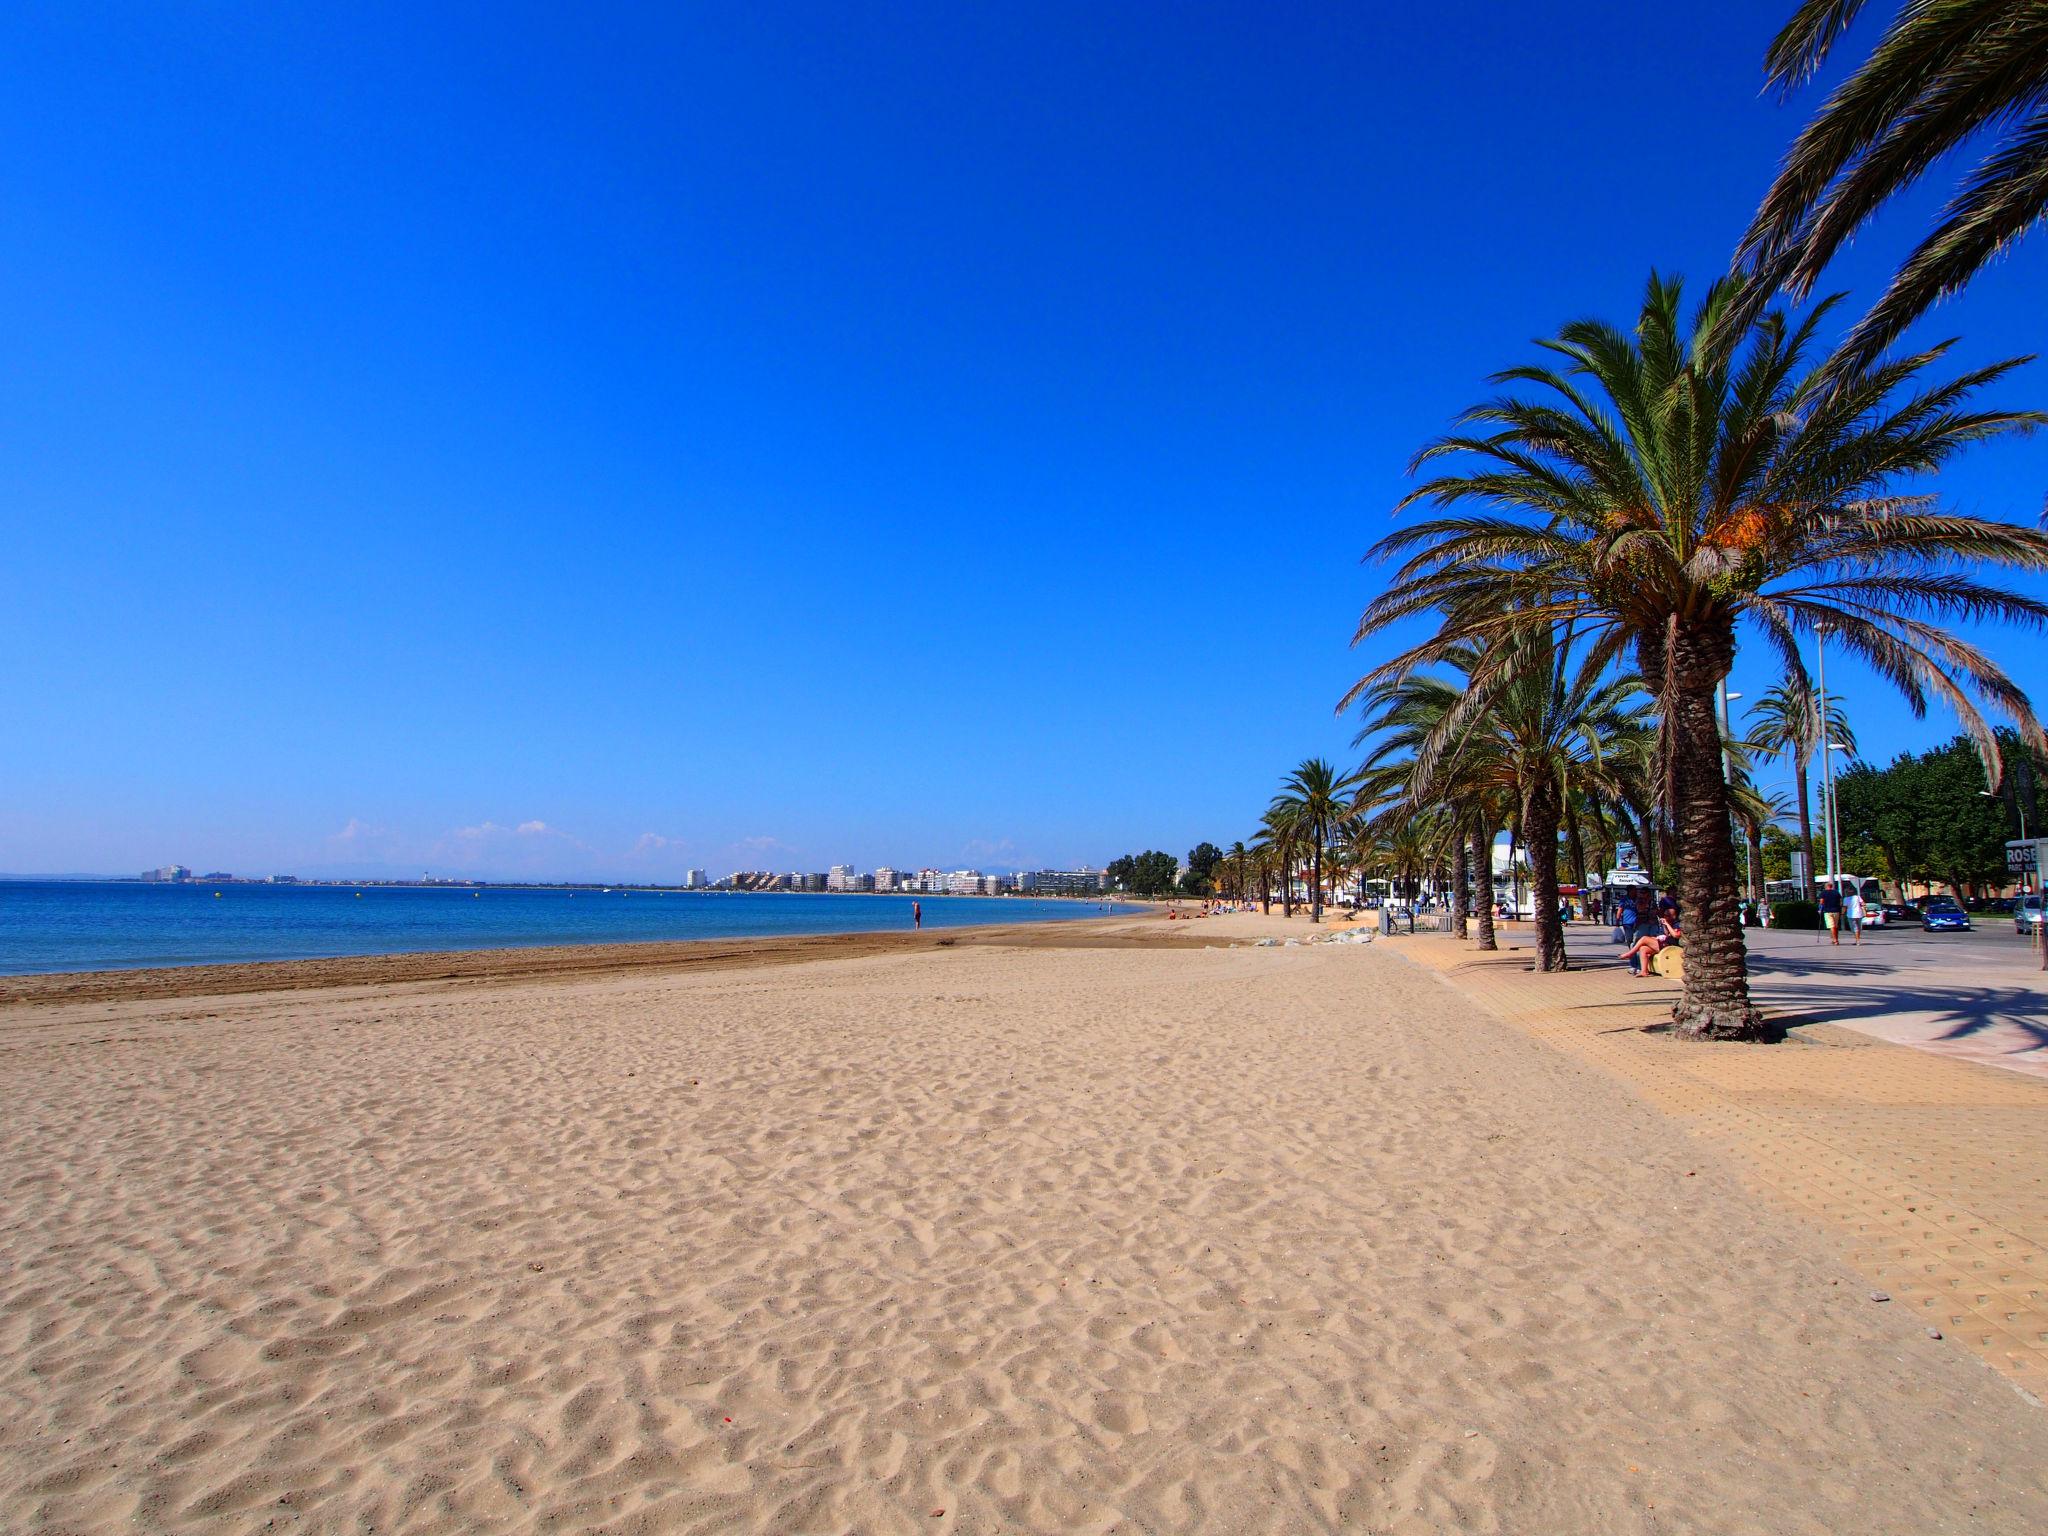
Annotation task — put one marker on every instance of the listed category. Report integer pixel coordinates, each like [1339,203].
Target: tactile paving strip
[1930,1171]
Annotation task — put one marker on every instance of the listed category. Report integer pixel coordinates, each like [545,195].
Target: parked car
[1940,914]
[1999,904]
[2026,915]
[1901,912]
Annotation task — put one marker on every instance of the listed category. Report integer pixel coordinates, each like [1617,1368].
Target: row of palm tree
[1627,505]
[1646,496]
[1651,495]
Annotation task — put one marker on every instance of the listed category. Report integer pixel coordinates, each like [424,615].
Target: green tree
[1666,485]
[1944,74]
[1202,861]
[1778,847]
[1874,807]
[1283,835]
[1964,832]
[1150,873]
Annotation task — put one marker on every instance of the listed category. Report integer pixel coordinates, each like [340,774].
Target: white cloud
[525,844]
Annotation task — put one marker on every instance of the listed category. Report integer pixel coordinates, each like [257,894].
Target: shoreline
[551,962]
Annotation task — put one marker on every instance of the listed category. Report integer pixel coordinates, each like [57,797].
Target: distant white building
[841,878]
[693,879]
[1063,882]
[885,879]
[168,875]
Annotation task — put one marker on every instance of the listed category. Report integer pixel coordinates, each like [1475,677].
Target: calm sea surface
[67,925]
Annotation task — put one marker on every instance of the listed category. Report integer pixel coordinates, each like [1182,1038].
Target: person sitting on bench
[1639,954]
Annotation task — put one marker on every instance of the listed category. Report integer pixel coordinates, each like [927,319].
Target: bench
[1668,961]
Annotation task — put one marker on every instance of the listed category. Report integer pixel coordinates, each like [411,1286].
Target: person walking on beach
[917,914]
[1852,914]
[1831,912]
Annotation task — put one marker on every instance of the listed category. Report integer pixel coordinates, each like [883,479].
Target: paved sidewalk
[1980,996]
[1931,1170]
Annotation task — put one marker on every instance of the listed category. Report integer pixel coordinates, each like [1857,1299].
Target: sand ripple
[976,1239]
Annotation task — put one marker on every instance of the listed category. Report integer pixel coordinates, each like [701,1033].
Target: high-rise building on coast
[841,878]
[693,879]
[1063,882]
[885,879]
[170,874]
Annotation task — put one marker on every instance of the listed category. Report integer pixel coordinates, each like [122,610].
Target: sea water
[78,925]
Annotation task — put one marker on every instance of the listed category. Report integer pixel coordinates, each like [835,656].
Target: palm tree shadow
[1960,1014]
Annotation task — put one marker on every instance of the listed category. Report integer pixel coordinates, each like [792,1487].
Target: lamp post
[1834,820]
[2018,804]
[1728,730]
[1828,749]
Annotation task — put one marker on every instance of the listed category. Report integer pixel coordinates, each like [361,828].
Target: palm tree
[1237,860]
[1262,870]
[1282,837]
[1357,851]
[1754,810]
[1461,877]
[1944,73]
[1786,722]
[1662,488]
[1316,797]
[1404,713]
[1534,718]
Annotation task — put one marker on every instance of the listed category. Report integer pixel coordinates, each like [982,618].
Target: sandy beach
[1109,1227]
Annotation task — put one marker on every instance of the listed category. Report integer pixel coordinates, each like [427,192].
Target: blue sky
[603,440]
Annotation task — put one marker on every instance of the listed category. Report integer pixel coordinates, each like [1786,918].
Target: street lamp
[1728,730]
[1827,759]
[1834,825]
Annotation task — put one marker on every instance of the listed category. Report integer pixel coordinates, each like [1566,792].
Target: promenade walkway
[1930,1170]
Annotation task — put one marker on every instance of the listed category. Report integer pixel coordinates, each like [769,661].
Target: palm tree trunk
[1482,872]
[1755,833]
[1540,814]
[1265,890]
[1577,844]
[1287,883]
[1315,876]
[1715,1004]
[1806,831]
[1461,889]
